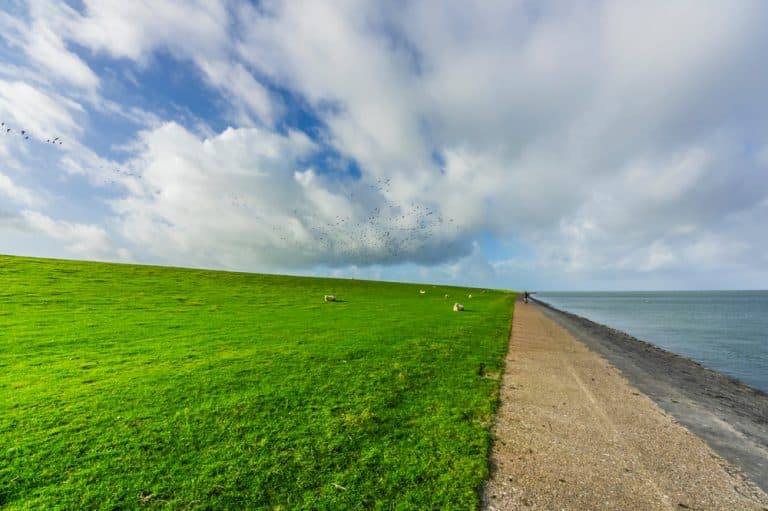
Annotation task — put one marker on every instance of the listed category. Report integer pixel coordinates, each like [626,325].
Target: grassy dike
[127,386]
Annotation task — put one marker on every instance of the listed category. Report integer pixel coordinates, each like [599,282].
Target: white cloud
[195,31]
[41,38]
[134,30]
[48,50]
[244,198]
[19,194]
[583,132]
[41,113]
[84,240]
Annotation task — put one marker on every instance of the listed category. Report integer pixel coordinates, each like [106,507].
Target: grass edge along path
[125,386]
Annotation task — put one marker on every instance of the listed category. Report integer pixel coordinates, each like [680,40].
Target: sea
[723,330]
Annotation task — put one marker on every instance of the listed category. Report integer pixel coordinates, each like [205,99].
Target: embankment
[731,417]
[573,433]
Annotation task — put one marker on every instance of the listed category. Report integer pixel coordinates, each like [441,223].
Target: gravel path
[732,418]
[571,433]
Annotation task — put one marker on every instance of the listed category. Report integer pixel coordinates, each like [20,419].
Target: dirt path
[571,433]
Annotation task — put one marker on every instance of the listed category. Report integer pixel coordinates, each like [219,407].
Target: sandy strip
[571,433]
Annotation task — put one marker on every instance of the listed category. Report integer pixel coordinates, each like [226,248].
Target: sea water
[723,330]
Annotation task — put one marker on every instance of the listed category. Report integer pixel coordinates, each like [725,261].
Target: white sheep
[421,291]
[329,298]
[446,296]
[470,296]
[457,307]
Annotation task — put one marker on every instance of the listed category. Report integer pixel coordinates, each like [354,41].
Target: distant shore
[730,416]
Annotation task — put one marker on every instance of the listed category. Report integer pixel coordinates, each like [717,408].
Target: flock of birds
[382,233]
[117,173]
[24,134]
[357,234]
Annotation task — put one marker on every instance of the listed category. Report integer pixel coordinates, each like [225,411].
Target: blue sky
[526,145]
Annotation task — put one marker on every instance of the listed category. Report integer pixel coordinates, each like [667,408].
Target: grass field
[127,386]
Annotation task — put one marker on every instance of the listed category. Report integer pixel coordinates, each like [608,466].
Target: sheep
[421,291]
[329,298]
[469,296]
[446,296]
[457,307]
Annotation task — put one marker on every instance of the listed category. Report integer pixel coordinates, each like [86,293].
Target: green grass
[127,387]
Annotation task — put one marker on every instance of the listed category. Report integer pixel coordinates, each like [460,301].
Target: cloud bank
[536,144]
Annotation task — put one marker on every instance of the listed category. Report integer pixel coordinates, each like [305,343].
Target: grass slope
[133,386]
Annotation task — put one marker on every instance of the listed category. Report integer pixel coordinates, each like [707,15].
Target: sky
[541,145]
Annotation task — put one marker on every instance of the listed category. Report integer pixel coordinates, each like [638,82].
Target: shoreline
[730,416]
